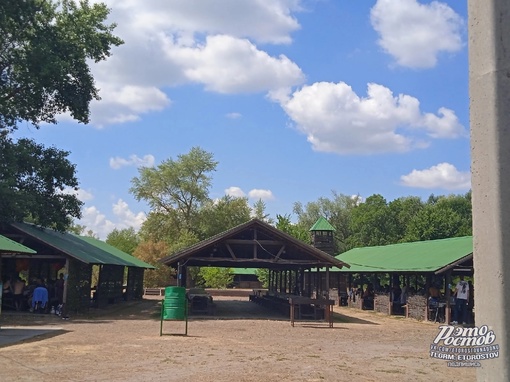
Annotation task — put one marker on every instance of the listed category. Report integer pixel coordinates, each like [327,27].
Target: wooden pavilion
[255,244]
[437,261]
[74,256]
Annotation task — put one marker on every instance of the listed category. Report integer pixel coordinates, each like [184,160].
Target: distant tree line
[182,213]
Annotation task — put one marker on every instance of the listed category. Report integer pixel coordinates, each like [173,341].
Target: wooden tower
[323,237]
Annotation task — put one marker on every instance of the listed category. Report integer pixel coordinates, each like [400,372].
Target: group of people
[39,295]
[462,299]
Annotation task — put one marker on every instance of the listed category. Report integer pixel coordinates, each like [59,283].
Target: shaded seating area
[416,272]
[290,263]
[70,258]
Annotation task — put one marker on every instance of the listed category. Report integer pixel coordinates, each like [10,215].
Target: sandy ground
[242,342]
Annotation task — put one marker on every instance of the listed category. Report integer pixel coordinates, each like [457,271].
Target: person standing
[461,299]
[18,289]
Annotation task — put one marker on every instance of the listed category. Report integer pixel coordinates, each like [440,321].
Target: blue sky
[295,99]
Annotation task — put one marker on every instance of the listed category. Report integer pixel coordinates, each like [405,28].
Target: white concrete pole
[489,88]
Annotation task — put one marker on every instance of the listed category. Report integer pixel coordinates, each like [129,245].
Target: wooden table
[297,303]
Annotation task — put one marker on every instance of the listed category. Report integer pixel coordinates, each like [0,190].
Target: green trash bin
[174,306]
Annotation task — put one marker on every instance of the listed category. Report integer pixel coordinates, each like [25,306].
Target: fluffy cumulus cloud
[442,176]
[176,42]
[121,103]
[261,194]
[254,194]
[415,34]
[335,119]
[235,192]
[97,222]
[133,160]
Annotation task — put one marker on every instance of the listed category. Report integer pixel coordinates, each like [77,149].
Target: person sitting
[40,299]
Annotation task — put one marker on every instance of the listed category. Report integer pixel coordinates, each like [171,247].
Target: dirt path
[124,345]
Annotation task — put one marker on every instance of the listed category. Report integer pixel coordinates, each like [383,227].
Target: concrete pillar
[489,88]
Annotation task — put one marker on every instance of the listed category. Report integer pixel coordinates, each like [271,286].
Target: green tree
[34,184]
[178,189]
[442,217]
[220,215]
[259,212]
[372,223]
[337,211]
[403,210]
[45,50]
[216,277]
[297,231]
[124,239]
[151,252]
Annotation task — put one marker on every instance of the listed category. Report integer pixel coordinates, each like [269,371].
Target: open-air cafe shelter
[292,264]
[435,260]
[120,276]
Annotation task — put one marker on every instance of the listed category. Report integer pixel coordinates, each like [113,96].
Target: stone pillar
[489,88]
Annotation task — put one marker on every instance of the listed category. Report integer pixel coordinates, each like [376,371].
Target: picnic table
[315,308]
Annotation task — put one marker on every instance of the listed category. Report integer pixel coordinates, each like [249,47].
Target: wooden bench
[154,292]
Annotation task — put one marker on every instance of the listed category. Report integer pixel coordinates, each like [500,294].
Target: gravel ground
[242,342]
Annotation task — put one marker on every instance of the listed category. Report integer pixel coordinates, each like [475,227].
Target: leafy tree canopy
[124,239]
[45,48]
[177,188]
[219,278]
[34,184]
[336,210]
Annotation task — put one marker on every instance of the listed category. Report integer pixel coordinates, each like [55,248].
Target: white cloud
[233,115]
[254,194]
[235,192]
[133,160]
[335,119]
[415,34]
[226,64]
[261,194]
[126,217]
[81,194]
[98,223]
[443,176]
[175,42]
[120,104]
[260,20]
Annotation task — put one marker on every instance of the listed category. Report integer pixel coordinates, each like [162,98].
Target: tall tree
[337,211]
[124,239]
[34,184]
[151,252]
[441,218]
[259,212]
[45,50]
[177,188]
[402,211]
[372,223]
[219,215]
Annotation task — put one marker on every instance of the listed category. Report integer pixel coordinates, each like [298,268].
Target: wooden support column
[447,282]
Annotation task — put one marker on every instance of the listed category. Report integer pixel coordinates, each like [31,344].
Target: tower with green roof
[323,236]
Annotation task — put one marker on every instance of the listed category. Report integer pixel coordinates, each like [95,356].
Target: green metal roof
[322,225]
[10,246]
[73,245]
[419,256]
[116,252]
